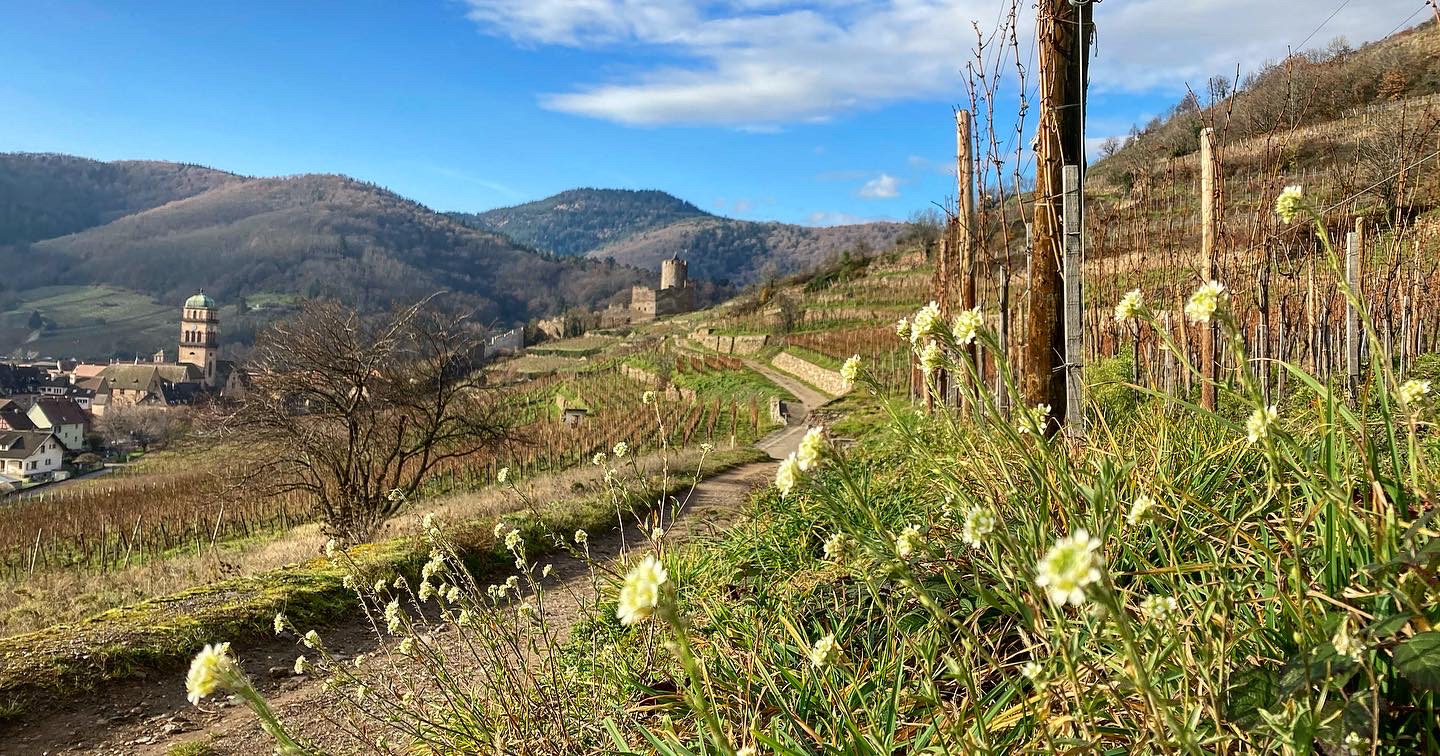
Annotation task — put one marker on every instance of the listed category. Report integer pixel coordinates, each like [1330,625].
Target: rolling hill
[164,230]
[641,228]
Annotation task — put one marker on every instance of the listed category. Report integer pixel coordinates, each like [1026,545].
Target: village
[64,417]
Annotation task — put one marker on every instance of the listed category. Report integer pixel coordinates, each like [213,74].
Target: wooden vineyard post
[1074,307]
[1206,332]
[965,237]
[1063,31]
[1002,392]
[1352,317]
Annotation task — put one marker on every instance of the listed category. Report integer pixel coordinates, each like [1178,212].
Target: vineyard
[185,505]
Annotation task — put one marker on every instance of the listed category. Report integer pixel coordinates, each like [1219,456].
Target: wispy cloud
[828,218]
[763,63]
[883,186]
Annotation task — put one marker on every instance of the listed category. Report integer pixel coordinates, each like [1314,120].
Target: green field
[92,322]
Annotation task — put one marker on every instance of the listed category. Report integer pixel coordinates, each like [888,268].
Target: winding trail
[152,716]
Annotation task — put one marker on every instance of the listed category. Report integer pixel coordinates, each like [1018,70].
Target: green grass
[89,321]
[162,633]
[815,358]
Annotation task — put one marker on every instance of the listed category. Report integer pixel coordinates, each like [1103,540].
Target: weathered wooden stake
[1074,308]
[1208,198]
[1352,317]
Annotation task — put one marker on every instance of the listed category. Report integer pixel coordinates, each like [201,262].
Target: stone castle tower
[200,336]
[673,274]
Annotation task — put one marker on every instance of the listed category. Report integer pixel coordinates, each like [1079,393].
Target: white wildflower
[302,665]
[902,328]
[549,569]
[1258,425]
[1412,391]
[452,594]
[1130,306]
[501,476]
[979,523]
[1034,419]
[392,616]
[656,533]
[1070,565]
[1032,670]
[640,594]
[581,537]
[311,639]
[927,323]
[1139,509]
[526,611]
[1346,644]
[280,622]
[331,546]
[825,652]
[932,358]
[908,540]
[648,397]
[598,459]
[379,586]
[967,326]
[621,449]
[786,474]
[850,371]
[407,646]
[706,448]
[1204,302]
[427,523]
[1290,202]
[837,547]
[1159,607]
[212,669]
[513,540]
[812,447]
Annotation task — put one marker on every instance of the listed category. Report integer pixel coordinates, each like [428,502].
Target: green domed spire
[201,301]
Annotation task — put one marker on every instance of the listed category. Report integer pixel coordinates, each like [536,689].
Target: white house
[29,454]
[64,418]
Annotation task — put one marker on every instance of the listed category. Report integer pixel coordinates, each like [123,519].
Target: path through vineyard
[151,716]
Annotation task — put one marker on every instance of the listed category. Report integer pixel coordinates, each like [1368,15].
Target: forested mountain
[43,195]
[577,221]
[167,230]
[641,228]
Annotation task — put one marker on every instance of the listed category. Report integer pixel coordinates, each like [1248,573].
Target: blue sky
[805,111]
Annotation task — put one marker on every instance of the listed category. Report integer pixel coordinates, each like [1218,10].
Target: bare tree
[357,412]
[141,426]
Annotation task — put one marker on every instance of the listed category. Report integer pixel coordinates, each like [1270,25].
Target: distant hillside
[722,249]
[177,229]
[44,196]
[641,228]
[577,221]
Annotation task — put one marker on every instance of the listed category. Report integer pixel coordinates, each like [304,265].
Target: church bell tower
[200,336]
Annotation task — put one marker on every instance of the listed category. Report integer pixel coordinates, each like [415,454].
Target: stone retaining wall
[824,379]
[730,344]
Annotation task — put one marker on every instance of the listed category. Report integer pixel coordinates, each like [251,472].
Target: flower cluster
[598,459]
[825,652]
[1346,644]
[908,541]
[647,398]
[967,326]
[1159,607]
[786,474]
[1071,564]
[837,547]
[211,670]
[1257,426]
[640,594]
[1139,509]
[979,523]
[850,371]
[1033,419]
[812,449]
[927,323]
[1412,391]
[1290,202]
[501,476]
[620,450]
[1131,306]
[932,358]
[902,328]
[1205,302]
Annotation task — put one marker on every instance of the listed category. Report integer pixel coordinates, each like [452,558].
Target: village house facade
[29,455]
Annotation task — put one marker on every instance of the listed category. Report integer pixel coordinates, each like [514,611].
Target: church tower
[200,336]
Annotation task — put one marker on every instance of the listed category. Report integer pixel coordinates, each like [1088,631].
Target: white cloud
[883,186]
[764,63]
